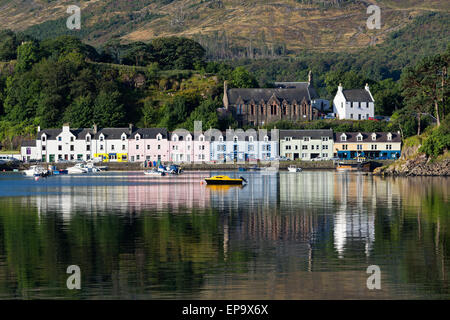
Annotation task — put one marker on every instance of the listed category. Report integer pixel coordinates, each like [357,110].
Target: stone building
[258,106]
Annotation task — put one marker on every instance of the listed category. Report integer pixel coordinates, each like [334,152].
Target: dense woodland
[170,82]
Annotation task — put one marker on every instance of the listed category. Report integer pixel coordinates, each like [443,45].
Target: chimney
[130,128]
[39,129]
[367,87]
[225,95]
[340,88]
[95,129]
[66,127]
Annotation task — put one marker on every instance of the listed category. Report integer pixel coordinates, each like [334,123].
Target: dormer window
[202,138]
[88,138]
[305,138]
[174,138]
[359,137]
[124,137]
[287,139]
[343,137]
[158,137]
[188,138]
[250,139]
[102,138]
[43,138]
[266,139]
[137,137]
[389,136]
[235,139]
[221,139]
[59,138]
[374,136]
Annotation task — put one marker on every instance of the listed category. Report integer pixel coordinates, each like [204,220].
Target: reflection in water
[283,236]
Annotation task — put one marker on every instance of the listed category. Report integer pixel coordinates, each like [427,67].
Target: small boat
[36,171]
[78,169]
[352,166]
[294,169]
[155,173]
[224,180]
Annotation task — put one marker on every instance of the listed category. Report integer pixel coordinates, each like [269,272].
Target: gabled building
[259,106]
[354,104]
[184,146]
[369,145]
[240,146]
[111,144]
[29,151]
[64,144]
[306,144]
[149,144]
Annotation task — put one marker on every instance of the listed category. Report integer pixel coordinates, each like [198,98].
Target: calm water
[310,235]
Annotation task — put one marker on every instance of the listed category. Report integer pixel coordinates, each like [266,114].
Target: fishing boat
[154,173]
[225,180]
[294,169]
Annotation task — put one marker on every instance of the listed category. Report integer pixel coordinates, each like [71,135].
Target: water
[308,235]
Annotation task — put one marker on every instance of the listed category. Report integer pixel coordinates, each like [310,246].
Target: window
[101,138]
[72,148]
[287,139]
[137,138]
[159,147]
[325,147]
[59,148]
[304,147]
[359,147]
[101,147]
[138,157]
[202,139]
[71,139]
[359,138]
[344,147]
[188,138]
[124,137]
[288,147]
[389,136]
[343,137]
[201,147]
[235,139]
[251,147]
[306,139]
[359,116]
[88,138]
[374,136]
[389,147]
[374,147]
[250,139]
[137,147]
[148,147]
[304,155]
[88,148]
[351,115]
[324,138]
[324,155]
[72,157]
[112,147]
[312,147]
[43,148]
[43,138]
[158,137]
[266,139]
[123,147]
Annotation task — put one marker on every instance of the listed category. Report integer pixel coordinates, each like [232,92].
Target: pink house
[148,144]
[186,147]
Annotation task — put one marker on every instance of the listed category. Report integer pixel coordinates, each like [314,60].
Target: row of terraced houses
[158,144]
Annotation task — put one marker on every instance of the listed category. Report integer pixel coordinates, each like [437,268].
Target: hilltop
[274,27]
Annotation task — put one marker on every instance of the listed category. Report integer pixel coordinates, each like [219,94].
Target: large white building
[354,104]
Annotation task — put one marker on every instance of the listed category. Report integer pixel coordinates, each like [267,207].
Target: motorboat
[154,173]
[93,168]
[353,166]
[172,169]
[36,171]
[294,169]
[225,180]
[79,168]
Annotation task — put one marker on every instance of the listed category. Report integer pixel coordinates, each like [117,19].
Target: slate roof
[150,133]
[357,95]
[50,133]
[303,91]
[113,133]
[28,143]
[300,134]
[367,137]
[255,135]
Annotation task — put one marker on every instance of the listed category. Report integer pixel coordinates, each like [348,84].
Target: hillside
[274,27]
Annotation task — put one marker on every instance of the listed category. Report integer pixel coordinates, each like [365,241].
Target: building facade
[354,104]
[149,144]
[369,145]
[185,146]
[241,146]
[258,106]
[111,144]
[306,144]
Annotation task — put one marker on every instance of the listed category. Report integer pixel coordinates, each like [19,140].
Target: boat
[172,169]
[78,169]
[225,180]
[154,173]
[294,169]
[36,171]
[91,167]
[353,166]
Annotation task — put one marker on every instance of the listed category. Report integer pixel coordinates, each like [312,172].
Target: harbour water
[308,235]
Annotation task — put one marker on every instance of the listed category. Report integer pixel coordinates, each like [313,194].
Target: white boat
[78,169]
[35,171]
[294,169]
[93,168]
[155,173]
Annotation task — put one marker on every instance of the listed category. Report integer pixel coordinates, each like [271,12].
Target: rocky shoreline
[417,165]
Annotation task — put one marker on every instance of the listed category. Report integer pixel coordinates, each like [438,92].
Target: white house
[354,104]
[29,151]
[243,146]
[306,144]
[64,144]
[111,144]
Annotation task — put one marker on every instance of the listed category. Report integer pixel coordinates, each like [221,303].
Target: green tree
[179,53]
[108,111]
[241,78]
[206,112]
[27,55]
[80,112]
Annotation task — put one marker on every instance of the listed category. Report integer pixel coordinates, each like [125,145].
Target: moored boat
[155,173]
[79,168]
[225,180]
[353,166]
[36,171]
[294,169]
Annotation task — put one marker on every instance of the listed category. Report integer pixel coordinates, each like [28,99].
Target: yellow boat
[224,180]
